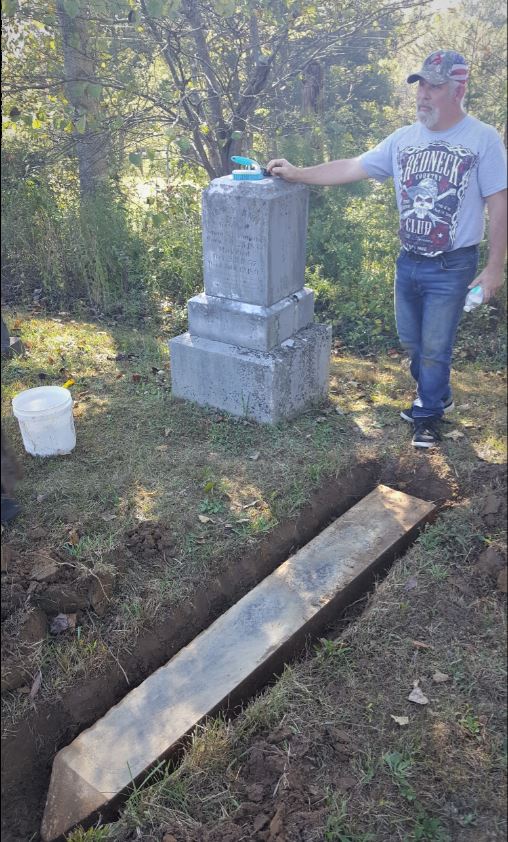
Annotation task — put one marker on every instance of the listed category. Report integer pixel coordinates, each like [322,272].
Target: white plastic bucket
[45,420]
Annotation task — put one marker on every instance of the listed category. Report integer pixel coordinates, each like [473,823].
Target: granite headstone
[252,349]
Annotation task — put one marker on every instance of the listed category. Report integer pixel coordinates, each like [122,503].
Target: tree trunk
[80,72]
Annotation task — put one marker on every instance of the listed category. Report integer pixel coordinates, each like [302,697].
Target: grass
[220,484]
[439,778]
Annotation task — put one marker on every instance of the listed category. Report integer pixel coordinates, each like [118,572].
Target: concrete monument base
[250,325]
[264,386]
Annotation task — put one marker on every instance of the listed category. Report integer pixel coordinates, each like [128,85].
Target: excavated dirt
[59,587]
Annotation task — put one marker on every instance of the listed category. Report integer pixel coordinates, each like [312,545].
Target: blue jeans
[429,298]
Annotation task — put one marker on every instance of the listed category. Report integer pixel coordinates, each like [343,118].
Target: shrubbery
[107,252]
[117,255]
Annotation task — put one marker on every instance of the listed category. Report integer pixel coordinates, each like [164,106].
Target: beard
[428,118]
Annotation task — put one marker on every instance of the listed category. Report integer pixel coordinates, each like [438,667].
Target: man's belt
[416,256]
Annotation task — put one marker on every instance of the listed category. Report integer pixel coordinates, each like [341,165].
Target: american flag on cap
[442,66]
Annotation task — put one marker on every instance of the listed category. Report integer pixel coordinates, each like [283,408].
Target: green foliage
[172,263]
[71,249]
[104,250]
[114,250]
[352,248]
[93,834]
[482,334]
[427,829]
[337,826]
[400,768]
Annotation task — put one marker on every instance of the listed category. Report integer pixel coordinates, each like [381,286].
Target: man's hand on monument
[323,175]
[282,168]
[490,281]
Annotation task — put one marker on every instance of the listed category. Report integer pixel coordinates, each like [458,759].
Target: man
[446,167]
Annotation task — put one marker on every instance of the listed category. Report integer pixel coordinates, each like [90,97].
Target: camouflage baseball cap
[440,67]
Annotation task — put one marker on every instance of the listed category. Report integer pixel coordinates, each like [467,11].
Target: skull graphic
[424,196]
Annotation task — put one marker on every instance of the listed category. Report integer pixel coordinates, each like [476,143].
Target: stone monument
[252,349]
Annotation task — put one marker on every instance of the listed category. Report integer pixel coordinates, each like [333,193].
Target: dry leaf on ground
[62,623]
[400,720]
[73,537]
[411,583]
[36,686]
[440,677]
[418,697]
[419,644]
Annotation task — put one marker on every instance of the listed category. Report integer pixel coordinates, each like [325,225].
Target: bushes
[172,261]
[352,248]
[107,251]
[115,253]
[72,250]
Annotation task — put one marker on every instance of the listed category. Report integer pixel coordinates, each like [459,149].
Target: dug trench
[28,750]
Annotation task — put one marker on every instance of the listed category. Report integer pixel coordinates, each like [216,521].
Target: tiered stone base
[264,386]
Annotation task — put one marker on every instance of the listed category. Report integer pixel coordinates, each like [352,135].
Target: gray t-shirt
[441,180]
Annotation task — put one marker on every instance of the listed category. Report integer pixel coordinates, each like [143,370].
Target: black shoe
[426,434]
[407,414]
[9,509]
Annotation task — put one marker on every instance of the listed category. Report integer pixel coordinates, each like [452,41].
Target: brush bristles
[247,176]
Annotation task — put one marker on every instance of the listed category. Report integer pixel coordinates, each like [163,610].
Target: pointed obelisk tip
[71,800]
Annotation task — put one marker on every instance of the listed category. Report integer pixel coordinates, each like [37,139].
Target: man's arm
[491,279]
[342,171]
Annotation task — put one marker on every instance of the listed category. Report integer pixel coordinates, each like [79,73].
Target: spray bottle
[474,298]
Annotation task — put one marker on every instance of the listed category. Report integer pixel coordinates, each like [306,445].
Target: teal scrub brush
[252,173]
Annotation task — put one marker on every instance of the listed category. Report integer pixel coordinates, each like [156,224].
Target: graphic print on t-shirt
[433,180]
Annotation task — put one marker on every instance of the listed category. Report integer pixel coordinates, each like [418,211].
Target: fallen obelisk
[229,659]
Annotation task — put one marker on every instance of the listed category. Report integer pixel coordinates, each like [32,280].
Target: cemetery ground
[165,514]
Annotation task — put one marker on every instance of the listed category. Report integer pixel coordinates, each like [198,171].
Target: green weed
[427,829]
[212,506]
[438,572]
[93,834]
[400,767]
[336,827]
[133,609]
[333,650]
[367,768]
[470,723]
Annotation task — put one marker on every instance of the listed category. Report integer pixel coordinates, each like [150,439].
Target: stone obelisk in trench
[252,349]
